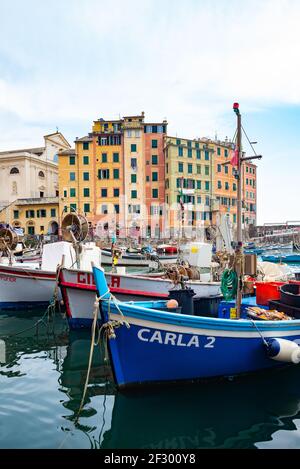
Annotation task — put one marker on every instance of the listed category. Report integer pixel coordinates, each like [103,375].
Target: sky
[65,63]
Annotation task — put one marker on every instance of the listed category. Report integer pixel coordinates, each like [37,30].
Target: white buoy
[284,350]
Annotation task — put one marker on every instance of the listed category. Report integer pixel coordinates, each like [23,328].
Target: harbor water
[42,374]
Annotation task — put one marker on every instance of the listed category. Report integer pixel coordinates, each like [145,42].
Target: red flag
[234,157]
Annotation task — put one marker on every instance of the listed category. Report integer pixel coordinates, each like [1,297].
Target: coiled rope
[229,284]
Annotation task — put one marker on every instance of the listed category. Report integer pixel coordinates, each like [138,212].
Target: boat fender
[283,350]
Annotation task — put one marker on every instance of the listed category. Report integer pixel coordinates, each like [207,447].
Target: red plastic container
[266,291]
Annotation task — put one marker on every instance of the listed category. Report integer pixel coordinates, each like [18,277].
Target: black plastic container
[184,297]
[207,306]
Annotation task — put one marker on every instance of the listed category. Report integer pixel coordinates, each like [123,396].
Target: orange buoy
[172,304]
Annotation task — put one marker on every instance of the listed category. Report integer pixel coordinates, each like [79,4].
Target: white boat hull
[25,286]
[135,259]
[78,289]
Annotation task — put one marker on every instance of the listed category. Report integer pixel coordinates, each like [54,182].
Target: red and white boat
[32,284]
[78,290]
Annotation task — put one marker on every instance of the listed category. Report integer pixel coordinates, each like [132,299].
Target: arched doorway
[53,228]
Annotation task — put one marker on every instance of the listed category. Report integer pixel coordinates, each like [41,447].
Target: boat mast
[239,261]
[239,240]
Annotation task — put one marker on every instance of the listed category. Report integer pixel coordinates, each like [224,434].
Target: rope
[108,329]
[229,284]
[263,339]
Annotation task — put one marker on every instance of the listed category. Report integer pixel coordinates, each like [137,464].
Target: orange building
[249,194]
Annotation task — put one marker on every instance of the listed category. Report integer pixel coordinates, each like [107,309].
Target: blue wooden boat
[147,345]
[291,258]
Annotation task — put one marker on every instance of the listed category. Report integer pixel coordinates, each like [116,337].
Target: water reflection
[232,414]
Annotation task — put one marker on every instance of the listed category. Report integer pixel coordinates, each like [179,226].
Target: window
[219,184]
[116,157]
[198,169]
[41,174]
[56,193]
[226,186]
[41,194]
[72,176]
[226,152]
[128,133]
[247,169]
[116,192]
[178,142]
[154,143]
[14,171]
[137,133]
[85,145]
[65,193]
[234,218]
[133,178]
[72,192]
[134,194]
[85,160]
[219,168]
[190,168]
[189,144]
[103,173]
[116,174]
[190,152]
[199,199]
[234,186]
[31,230]
[218,151]
[207,170]
[206,155]
[226,169]
[72,160]
[154,129]
[198,154]
[86,176]
[180,167]
[154,159]
[86,192]
[86,208]
[43,213]
[133,163]
[133,147]
[104,157]
[198,184]
[207,185]
[117,208]
[155,176]
[16,214]
[180,151]
[207,200]
[53,212]
[247,182]
[155,193]
[103,192]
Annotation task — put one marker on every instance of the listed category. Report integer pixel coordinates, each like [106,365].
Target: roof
[38,150]
[67,152]
[84,139]
[37,201]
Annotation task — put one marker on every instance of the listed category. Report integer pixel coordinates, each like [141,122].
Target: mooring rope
[109,333]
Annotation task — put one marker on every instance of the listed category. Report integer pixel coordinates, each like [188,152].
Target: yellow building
[35,216]
[189,169]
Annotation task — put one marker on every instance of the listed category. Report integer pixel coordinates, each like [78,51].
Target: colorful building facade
[108,175]
[35,216]
[188,178]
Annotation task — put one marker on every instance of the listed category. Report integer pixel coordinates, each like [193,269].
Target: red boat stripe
[113,290]
[24,273]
